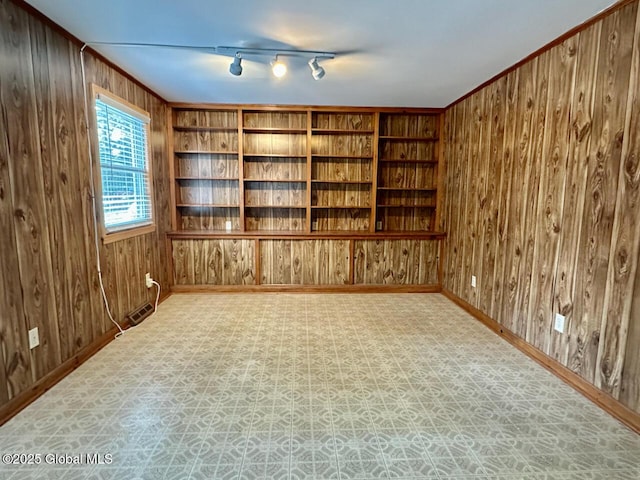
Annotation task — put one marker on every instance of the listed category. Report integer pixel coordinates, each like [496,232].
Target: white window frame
[110,235]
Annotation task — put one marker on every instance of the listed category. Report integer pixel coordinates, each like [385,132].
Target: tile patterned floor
[274,386]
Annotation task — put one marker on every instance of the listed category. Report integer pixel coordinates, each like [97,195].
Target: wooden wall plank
[612,74]
[625,240]
[535,161]
[15,361]
[567,219]
[516,206]
[567,272]
[503,224]
[51,116]
[495,124]
[630,382]
[28,195]
[553,171]
[304,262]
[46,216]
[396,262]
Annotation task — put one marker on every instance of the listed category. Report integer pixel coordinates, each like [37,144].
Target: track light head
[278,68]
[236,67]
[316,70]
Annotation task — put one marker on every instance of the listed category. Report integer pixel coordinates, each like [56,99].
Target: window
[123,132]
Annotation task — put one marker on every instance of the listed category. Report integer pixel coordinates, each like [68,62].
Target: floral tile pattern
[300,387]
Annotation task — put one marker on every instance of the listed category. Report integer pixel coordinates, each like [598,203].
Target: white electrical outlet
[473,281]
[227,225]
[148,281]
[559,324]
[34,338]
[314,225]
[379,225]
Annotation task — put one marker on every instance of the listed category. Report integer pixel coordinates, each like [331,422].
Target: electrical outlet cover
[473,281]
[34,338]
[559,324]
[227,225]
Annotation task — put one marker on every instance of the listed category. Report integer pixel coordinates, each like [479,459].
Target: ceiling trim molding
[37,14]
[553,43]
[303,108]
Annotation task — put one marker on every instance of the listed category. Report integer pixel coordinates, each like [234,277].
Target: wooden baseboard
[25,398]
[306,288]
[605,401]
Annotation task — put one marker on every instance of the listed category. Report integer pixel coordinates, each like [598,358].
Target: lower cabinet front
[329,262]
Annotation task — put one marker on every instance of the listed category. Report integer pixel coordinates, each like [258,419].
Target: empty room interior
[320,240]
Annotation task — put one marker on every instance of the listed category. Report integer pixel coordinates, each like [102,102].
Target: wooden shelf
[337,131]
[404,206]
[406,160]
[208,205]
[182,128]
[394,138]
[274,130]
[290,180]
[341,207]
[307,176]
[213,179]
[208,152]
[302,207]
[407,189]
[344,182]
[333,156]
[329,234]
[275,155]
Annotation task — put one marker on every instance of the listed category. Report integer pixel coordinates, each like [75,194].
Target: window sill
[124,234]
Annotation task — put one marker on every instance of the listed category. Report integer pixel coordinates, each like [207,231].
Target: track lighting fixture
[316,70]
[236,67]
[278,68]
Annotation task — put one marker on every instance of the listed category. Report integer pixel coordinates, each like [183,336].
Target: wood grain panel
[295,120]
[47,260]
[625,241]
[214,262]
[566,193]
[16,374]
[342,121]
[204,218]
[275,168]
[304,262]
[504,226]
[409,125]
[630,382]
[205,118]
[567,300]
[349,145]
[340,219]
[28,195]
[275,219]
[610,97]
[396,262]
[553,172]
[274,144]
[348,169]
[495,135]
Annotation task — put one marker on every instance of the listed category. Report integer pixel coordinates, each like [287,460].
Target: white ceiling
[417,53]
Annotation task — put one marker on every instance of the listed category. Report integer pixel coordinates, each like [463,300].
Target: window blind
[124,167]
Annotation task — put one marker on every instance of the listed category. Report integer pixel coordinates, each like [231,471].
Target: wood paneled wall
[48,274]
[542,202]
[337,262]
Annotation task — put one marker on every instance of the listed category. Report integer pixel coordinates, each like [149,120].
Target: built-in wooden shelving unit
[262,194]
[407,171]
